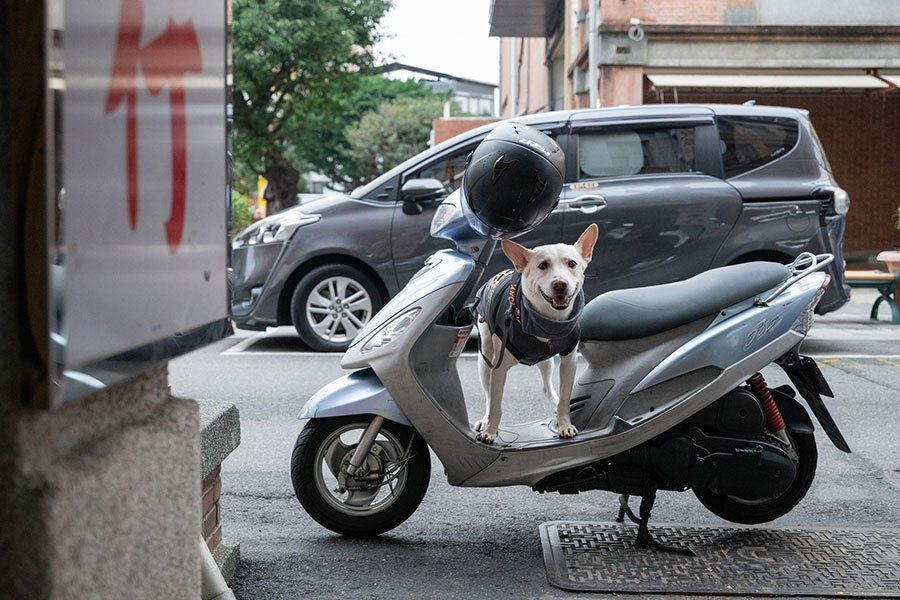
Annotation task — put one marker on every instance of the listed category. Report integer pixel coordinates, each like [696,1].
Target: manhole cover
[602,557]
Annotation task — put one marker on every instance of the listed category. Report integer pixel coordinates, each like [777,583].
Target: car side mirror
[415,191]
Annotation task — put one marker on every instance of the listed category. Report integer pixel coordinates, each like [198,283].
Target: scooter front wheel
[382,494]
[752,512]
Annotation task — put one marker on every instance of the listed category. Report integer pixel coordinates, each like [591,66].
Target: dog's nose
[559,286]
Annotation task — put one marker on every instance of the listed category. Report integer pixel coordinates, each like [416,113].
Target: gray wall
[828,12]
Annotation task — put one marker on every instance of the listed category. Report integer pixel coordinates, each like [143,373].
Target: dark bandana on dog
[500,301]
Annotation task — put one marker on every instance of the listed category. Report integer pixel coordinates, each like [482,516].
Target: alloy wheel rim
[335,453]
[338,308]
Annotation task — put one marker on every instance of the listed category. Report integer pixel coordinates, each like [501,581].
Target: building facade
[840,60]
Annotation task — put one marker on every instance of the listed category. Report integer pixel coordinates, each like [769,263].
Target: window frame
[706,136]
[785,154]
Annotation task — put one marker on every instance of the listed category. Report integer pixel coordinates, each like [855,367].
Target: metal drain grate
[601,557]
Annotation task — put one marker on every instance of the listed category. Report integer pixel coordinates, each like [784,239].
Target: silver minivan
[675,190]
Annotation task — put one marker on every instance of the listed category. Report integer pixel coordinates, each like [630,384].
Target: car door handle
[588,203]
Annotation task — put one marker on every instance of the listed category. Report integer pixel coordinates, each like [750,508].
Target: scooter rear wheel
[389,487]
[752,512]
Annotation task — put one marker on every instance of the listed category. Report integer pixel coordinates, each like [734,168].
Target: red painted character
[165,60]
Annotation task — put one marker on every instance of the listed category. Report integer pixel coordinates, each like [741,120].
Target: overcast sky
[450,36]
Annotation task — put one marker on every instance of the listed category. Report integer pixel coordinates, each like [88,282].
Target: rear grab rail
[803,265]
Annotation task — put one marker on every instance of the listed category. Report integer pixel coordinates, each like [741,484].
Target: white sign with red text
[143,226]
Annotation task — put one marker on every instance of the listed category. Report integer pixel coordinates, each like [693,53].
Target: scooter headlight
[443,215]
[390,331]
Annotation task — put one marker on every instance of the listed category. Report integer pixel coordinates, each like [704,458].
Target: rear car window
[751,142]
[617,152]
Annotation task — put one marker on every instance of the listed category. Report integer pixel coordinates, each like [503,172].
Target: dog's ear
[585,244]
[518,254]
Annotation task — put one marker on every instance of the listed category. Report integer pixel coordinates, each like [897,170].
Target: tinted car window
[751,142]
[448,170]
[622,152]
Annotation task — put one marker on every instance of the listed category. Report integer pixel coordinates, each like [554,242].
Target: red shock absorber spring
[774,421]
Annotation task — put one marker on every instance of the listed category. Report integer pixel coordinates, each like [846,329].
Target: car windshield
[537,121]
[418,158]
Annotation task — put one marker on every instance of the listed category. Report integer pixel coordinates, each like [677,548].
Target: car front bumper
[253,269]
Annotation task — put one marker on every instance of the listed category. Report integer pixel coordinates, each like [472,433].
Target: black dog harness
[510,316]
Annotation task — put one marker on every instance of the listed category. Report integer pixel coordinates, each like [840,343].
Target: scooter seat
[639,312]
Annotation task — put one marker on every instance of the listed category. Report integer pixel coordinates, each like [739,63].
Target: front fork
[365,445]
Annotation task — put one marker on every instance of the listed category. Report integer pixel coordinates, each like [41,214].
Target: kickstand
[644,538]
[623,506]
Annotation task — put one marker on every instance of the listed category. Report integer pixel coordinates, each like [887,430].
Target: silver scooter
[672,398]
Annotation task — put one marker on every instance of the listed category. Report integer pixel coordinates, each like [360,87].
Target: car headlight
[276,228]
[391,331]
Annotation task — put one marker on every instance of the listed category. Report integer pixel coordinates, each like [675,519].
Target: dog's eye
[572,264]
[543,265]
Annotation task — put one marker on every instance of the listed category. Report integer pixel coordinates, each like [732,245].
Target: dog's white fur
[549,273]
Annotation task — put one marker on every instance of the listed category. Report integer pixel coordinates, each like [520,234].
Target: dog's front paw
[486,436]
[567,430]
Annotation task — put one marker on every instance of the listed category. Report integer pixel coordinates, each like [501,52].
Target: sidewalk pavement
[850,330]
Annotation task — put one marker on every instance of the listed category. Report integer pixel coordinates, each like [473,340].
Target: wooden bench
[887,285]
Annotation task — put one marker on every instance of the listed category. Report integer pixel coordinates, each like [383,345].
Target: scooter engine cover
[748,469]
[740,414]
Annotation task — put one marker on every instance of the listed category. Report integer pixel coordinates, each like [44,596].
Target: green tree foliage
[386,137]
[336,161]
[295,64]
[241,213]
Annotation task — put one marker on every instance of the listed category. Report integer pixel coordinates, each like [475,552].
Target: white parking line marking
[239,347]
[855,335]
[837,356]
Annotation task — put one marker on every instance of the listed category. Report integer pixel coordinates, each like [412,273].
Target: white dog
[528,316]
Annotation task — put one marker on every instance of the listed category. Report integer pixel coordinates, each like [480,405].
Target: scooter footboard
[359,393]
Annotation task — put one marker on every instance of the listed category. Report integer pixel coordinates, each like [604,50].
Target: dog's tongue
[560,302]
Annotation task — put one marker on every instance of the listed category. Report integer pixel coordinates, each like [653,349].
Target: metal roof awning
[520,18]
[776,81]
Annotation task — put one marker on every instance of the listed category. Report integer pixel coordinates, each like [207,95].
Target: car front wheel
[331,304]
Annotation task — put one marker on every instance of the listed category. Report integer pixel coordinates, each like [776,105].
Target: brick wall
[691,12]
[212,513]
[444,129]
[861,136]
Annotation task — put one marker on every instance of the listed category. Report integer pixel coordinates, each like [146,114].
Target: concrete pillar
[620,85]
[98,498]
[621,76]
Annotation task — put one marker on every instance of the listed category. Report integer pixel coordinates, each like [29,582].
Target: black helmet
[512,181]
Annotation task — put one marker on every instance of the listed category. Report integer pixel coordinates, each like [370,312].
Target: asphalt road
[475,543]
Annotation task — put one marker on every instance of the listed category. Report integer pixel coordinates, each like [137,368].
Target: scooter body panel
[359,393]
[528,466]
[442,269]
[729,341]
[419,371]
